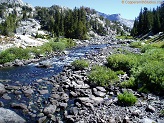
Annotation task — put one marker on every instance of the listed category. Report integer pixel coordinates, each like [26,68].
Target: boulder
[28,91]
[19,106]
[98,93]
[43,91]
[2,89]
[147,120]
[150,108]
[49,109]
[8,116]
[45,64]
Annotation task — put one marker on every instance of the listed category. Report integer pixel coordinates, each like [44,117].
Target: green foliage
[17,53]
[58,46]
[13,53]
[8,27]
[149,21]
[146,70]
[127,99]
[162,112]
[122,61]
[136,44]
[151,76]
[68,23]
[80,64]
[128,83]
[102,76]
[69,43]
[124,37]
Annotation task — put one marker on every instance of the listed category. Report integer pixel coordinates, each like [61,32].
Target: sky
[128,11]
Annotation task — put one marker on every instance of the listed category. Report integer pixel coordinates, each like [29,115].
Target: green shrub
[58,46]
[122,61]
[127,99]
[11,54]
[151,77]
[102,76]
[69,43]
[80,64]
[129,83]
[162,112]
[155,54]
[136,44]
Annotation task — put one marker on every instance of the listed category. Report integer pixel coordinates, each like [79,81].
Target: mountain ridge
[117,17]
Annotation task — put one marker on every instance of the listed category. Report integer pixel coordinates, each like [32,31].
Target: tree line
[149,21]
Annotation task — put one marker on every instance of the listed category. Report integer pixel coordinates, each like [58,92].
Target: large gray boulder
[8,116]
[28,27]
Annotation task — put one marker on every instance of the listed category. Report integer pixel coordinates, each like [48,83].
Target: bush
[122,62]
[127,99]
[69,43]
[151,77]
[102,76]
[129,83]
[136,44]
[11,54]
[58,46]
[80,64]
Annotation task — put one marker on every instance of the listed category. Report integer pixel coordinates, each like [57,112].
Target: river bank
[69,97]
[79,43]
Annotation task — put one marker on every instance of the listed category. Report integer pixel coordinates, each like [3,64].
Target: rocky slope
[117,17]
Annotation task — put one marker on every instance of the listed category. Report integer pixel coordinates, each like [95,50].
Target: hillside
[17,17]
[118,18]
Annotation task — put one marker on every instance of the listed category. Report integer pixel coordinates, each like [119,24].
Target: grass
[122,61]
[126,99]
[102,76]
[124,37]
[80,64]
[145,70]
[11,54]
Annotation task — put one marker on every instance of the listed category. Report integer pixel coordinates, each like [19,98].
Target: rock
[2,89]
[43,91]
[102,89]
[112,120]
[28,27]
[55,96]
[136,113]
[63,105]
[45,64]
[74,111]
[150,108]
[42,119]
[8,64]
[85,100]
[65,97]
[28,91]
[160,121]
[126,120]
[49,109]
[8,116]
[73,94]
[98,93]
[12,87]
[147,120]
[19,106]
[6,97]
[1,104]
[18,62]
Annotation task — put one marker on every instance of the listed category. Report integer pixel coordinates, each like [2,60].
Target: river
[29,74]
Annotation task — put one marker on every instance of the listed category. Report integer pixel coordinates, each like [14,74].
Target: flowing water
[27,75]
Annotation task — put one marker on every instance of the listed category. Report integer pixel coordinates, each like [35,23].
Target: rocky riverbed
[70,97]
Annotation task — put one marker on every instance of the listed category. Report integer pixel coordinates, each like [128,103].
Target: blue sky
[128,11]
